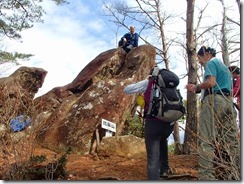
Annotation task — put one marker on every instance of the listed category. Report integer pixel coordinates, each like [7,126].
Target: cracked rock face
[69,117]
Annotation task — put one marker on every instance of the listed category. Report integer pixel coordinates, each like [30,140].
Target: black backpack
[166,102]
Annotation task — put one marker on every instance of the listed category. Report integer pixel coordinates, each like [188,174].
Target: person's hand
[148,77]
[191,87]
[130,47]
[124,39]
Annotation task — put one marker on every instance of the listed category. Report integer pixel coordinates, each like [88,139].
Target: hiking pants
[156,140]
[219,148]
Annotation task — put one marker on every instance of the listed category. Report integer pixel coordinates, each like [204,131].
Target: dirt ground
[90,167]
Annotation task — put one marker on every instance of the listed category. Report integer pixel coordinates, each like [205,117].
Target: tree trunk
[224,42]
[176,135]
[163,39]
[166,61]
[190,139]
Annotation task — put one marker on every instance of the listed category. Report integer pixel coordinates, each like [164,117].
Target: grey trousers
[219,148]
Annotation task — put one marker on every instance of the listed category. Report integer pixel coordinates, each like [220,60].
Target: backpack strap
[150,105]
[160,80]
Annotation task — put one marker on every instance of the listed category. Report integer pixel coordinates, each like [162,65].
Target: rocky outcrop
[67,116]
[17,92]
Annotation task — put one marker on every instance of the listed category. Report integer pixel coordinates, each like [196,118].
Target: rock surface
[17,92]
[68,116]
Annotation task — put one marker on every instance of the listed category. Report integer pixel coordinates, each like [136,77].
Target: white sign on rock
[109,126]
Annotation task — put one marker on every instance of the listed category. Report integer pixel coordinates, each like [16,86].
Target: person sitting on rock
[129,40]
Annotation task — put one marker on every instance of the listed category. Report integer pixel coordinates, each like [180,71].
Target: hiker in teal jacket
[219,148]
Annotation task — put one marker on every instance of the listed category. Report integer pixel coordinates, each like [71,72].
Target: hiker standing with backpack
[218,143]
[156,131]
[129,40]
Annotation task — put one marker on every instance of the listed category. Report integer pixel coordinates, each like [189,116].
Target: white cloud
[63,45]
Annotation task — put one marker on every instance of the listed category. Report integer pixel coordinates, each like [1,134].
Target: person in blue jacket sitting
[129,40]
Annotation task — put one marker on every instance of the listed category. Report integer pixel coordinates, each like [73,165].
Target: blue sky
[70,37]
[73,35]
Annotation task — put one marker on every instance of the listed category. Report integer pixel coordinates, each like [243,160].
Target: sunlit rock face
[70,116]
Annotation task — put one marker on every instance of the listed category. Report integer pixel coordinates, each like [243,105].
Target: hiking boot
[163,175]
[166,173]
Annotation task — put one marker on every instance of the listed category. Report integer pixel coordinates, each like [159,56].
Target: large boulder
[67,117]
[17,92]
[127,146]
